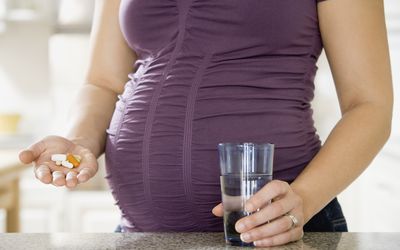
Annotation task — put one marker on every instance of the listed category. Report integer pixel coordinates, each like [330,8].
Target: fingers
[32,153]
[88,166]
[26,156]
[71,179]
[47,172]
[268,225]
[282,224]
[43,174]
[280,239]
[268,213]
[218,210]
[84,175]
[59,178]
[270,191]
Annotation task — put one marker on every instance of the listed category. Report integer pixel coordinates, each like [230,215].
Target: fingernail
[57,174]
[245,237]
[240,227]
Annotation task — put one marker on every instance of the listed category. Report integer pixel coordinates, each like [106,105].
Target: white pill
[58,163]
[58,157]
[67,164]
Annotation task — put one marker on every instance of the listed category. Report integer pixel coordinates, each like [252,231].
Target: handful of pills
[66,160]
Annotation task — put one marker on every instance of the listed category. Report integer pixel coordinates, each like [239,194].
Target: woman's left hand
[271,224]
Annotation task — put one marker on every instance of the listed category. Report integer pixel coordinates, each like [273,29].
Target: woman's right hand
[48,172]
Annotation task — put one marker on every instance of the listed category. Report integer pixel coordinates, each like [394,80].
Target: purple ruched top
[208,71]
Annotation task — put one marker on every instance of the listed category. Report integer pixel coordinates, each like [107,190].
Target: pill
[67,164]
[58,157]
[72,160]
[78,158]
[58,163]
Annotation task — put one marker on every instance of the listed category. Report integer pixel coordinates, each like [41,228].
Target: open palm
[48,172]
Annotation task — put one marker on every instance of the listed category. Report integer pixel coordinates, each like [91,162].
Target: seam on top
[188,135]
[152,109]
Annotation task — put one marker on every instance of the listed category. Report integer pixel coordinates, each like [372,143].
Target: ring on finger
[295,221]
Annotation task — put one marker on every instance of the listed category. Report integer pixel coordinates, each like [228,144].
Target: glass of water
[245,169]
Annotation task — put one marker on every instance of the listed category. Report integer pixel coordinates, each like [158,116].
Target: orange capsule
[78,158]
[71,158]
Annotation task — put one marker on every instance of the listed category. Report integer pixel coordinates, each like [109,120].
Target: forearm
[347,152]
[110,62]
[90,117]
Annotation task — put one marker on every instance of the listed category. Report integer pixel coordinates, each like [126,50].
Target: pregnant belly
[161,152]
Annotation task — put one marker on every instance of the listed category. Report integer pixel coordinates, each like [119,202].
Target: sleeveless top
[208,71]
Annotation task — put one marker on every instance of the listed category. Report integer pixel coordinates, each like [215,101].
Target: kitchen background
[43,55]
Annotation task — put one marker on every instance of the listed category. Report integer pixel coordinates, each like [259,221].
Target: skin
[355,41]
[109,65]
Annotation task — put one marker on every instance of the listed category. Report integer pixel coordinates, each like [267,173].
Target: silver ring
[295,221]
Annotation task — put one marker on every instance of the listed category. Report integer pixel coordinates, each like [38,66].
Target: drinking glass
[245,169]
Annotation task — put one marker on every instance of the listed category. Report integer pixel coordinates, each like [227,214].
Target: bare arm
[354,36]
[355,40]
[110,63]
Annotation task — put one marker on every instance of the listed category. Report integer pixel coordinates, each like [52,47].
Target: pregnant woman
[208,71]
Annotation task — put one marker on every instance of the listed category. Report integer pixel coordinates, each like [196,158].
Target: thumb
[32,153]
[218,210]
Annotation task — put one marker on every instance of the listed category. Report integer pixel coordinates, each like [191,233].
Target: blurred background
[43,56]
